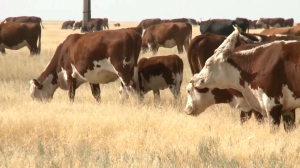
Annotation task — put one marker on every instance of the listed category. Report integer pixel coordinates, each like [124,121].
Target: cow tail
[40,42]
[42,24]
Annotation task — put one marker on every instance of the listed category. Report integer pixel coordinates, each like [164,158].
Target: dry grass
[124,134]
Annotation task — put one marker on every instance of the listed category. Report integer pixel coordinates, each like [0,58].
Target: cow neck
[246,60]
[51,67]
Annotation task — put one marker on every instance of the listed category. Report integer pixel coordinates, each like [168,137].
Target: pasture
[128,133]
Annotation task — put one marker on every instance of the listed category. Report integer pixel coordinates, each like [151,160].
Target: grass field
[120,133]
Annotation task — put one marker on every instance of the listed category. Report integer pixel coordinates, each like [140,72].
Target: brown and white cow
[266,75]
[167,35]
[271,22]
[95,24]
[77,25]
[149,22]
[289,22]
[98,58]
[294,31]
[159,73]
[18,35]
[24,19]
[68,24]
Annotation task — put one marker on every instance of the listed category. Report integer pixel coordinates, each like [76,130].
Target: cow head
[198,100]
[217,73]
[38,90]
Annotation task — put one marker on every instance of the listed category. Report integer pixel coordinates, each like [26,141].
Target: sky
[136,10]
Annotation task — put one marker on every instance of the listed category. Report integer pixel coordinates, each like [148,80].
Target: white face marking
[130,62]
[198,102]
[46,92]
[16,47]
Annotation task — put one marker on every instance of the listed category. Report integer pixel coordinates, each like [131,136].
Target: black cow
[222,27]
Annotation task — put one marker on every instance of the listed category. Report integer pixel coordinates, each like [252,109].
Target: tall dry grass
[120,133]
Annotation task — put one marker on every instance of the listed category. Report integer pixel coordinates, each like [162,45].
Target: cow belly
[168,43]
[102,72]
[15,47]
[288,100]
[156,83]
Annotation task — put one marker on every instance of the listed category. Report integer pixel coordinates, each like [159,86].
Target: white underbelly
[15,47]
[168,44]
[156,83]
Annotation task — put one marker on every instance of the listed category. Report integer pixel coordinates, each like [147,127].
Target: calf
[18,35]
[158,73]
[167,35]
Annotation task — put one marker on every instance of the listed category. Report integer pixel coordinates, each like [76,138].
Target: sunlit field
[128,133]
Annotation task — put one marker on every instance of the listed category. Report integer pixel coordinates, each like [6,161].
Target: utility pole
[86,14]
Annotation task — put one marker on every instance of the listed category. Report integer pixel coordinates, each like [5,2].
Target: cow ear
[36,83]
[226,53]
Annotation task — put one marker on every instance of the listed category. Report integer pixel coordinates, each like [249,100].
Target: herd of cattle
[255,73]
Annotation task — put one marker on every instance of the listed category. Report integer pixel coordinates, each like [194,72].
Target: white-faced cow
[98,58]
[24,19]
[158,73]
[18,35]
[167,35]
[267,76]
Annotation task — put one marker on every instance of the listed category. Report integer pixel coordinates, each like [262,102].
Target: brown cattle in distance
[271,22]
[167,35]
[95,24]
[98,58]
[159,73]
[289,22]
[18,35]
[68,24]
[184,20]
[77,25]
[293,31]
[105,23]
[149,22]
[117,24]
[24,19]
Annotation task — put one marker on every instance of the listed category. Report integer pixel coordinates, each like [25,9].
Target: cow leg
[245,116]
[3,51]
[33,49]
[156,94]
[186,45]
[258,116]
[72,87]
[179,48]
[96,91]
[274,116]
[289,119]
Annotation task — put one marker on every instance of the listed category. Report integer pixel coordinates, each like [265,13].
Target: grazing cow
[68,24]
[293,31]
[105,23]
[167,35]
[271,22]
[223,27]
[94,24]
[77,25]
[200,49]
[98,57]
[266,75]
[158,73]
[117,24]
[18,35]
[24,19]
[149,22]
[289,22]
